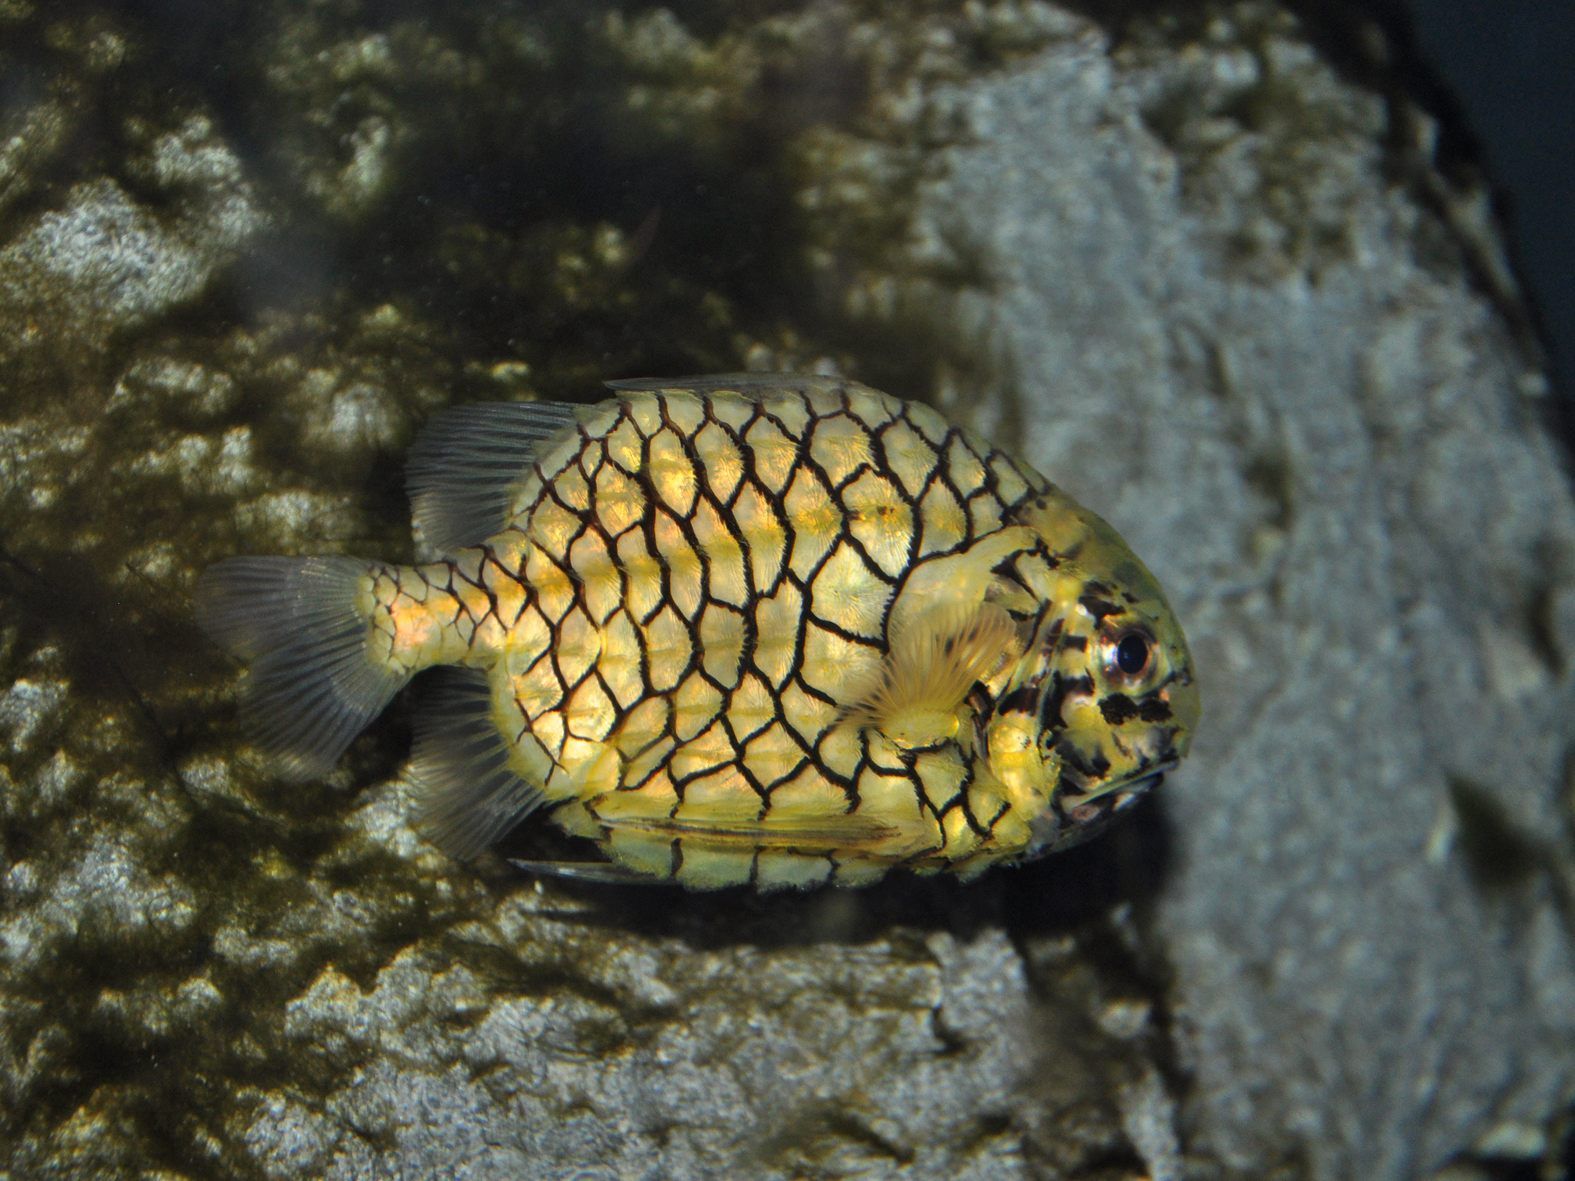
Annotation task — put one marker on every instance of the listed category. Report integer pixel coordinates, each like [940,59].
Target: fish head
[1115,698]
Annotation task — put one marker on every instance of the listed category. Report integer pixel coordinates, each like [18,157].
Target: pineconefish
[773,630]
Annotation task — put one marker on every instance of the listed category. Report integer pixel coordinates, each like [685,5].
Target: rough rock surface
[1368,914]
[1186,260]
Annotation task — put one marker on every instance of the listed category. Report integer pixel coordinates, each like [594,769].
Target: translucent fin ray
[750,385]
[464,462]
[469,795]
[605,873]
[931,668]
[313,683]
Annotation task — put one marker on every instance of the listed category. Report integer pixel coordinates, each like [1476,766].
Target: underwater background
[1216,268]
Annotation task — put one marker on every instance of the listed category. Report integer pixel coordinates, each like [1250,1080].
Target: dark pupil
[1132,654]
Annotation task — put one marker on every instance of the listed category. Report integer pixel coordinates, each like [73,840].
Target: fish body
[765,630]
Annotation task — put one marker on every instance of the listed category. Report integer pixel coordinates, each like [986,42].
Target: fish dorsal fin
[469,795]
[748,385]
[933,664]
[466,460]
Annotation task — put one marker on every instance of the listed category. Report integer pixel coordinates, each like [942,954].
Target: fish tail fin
[304,627]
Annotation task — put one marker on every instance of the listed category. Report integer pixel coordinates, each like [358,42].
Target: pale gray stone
[1334,456]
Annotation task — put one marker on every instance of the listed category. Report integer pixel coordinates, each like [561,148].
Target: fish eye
[1130,654]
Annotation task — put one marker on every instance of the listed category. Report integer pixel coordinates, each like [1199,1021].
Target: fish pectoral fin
[850,832]
[933,664]
[467,459]
[469,794]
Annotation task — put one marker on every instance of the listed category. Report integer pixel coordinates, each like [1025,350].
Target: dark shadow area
[1507,67]
[485,203]
[116,643]
[1064,893]
[496,189]
[1495,78]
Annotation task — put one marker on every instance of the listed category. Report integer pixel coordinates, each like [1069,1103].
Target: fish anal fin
[913,697]
[607,873]
[470,795]
[467,459]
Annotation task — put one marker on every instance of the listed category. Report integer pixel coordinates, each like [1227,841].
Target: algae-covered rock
[103,262]
[1181,261]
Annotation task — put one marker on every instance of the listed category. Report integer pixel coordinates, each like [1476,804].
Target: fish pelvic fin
[470,791]
[304,628]
[934,661]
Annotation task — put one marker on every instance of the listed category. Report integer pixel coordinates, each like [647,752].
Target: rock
[1184,264]
[103,263]
[1235,336]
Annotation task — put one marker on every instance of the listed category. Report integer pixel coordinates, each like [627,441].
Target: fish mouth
[1129,789]
[1075,819]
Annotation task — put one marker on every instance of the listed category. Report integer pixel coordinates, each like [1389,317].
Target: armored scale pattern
[738,630]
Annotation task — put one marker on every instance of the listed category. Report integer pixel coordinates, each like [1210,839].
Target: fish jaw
[1074,820]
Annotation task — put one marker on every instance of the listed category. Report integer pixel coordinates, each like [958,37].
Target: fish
[739,630]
